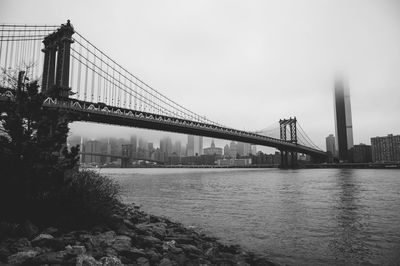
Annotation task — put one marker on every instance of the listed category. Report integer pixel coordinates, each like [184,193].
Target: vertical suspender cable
[94,63]
[79,72]
[12,54]
[99,86]
[86,75]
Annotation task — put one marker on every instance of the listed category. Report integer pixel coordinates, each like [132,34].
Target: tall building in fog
[343,123]
[134,143]
[194,146]
[330,144]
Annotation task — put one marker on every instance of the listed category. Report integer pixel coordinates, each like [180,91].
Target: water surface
[294,217]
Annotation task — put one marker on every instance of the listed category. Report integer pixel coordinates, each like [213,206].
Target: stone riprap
[132,237]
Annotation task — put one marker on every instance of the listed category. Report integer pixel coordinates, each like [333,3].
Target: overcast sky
[246,64]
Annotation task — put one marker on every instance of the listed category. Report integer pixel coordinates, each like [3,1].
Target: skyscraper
[343,123]
[330,144]
[194,145]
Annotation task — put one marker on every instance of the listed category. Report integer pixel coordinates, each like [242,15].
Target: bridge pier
[292,124]
[57,50]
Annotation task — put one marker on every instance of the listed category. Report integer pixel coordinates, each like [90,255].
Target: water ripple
[299,217]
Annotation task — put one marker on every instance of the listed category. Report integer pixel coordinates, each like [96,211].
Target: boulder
[105,239]
[121,243]
[133,253]
[50,258]
[85,260]
[20,244]
[142,261]
[110,261]
[41,237]
[22,257]
[166,262]
[190,249]
[153,256]
[147,241]
[75,250]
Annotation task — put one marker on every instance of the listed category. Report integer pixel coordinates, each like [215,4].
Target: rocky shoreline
[131,237]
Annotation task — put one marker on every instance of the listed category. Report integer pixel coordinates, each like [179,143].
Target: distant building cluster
[113,152]
[341,148]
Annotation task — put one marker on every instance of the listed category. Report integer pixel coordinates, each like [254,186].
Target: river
[293,217]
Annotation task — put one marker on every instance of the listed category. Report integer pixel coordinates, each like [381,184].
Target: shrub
[86,199]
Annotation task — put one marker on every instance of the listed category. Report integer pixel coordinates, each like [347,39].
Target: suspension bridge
[78,77]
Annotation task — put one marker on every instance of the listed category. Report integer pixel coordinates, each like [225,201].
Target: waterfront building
[226,151]
[243,149]
[194,146]
[343,122]
[108,151]
[386,149]
[213,150]
[361,153]
[330,144]
[133,142]
[253,149]
[166,146]
[127,150]
[91,148]
[150,147]
[157,155]
[142,145]
[234,162]
[233,149]
[177,148]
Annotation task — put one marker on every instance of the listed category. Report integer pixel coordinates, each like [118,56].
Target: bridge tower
[57,51]
[292,124]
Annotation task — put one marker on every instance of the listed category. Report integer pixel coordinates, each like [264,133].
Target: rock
[129,224]
[105,239]
[156,229]
[110,261]
[20,244]
[181,239]
[180,258]
[48,241]
[118,225]
[170,246]
[22,257]
[261,262]
[190,249]
[85,260]
[50,258]
[142,261]
[153,256]
[211,252]
[50,231]
[165,262]
[203,262]
[75,250]
[41,237]
[133,253]
[147,241]
[121,243]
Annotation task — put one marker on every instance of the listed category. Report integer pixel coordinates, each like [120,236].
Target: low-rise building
[386,149]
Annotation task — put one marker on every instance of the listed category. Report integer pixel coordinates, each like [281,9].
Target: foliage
[88,198]
[38,177]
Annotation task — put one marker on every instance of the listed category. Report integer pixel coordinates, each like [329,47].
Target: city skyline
[200,49]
